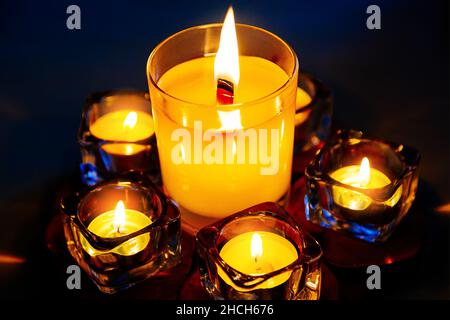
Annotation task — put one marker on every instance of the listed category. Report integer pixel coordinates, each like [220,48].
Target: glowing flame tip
[226,64]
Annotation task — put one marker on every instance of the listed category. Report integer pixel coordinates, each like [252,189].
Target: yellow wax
[113,126]
[354,200]
[303,99]
[126,149]
[217,190]
[103,226]
[277,253]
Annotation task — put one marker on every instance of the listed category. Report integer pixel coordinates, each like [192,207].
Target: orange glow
[445,208]
[388,260]
[10,259]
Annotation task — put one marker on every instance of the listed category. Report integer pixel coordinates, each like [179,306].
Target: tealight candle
[116,136]
[258,253]
[124,126]
[361,185]
[364,177]
[117,223]
[122,231]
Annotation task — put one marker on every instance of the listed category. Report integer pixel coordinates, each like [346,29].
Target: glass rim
[227,107]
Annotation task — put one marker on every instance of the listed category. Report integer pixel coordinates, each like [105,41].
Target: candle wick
[225,92]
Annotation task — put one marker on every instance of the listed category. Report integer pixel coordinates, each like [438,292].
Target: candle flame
[256,248]
[226,64]
[130,120]
[364,172]
[230,120]
[119,216]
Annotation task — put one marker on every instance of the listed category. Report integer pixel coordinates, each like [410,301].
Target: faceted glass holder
[302,278]
[116,263]
[313,120]
[368,214]
[102,158]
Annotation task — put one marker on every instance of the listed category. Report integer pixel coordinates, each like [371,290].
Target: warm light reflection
[256,248]
[10,259]
[130,120]
[445,208]
[226,63]
[119,216]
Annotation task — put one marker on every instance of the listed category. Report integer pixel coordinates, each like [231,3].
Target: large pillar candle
[221,157]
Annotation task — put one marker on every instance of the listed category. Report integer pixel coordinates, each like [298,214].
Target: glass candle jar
[213,156]
[361,185]
[116,135]
[313,113]
[122,231]
[259,253]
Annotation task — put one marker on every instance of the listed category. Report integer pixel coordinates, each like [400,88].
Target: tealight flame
[226,64]
[256,248]
[130,120]
[364,172]
[119,216]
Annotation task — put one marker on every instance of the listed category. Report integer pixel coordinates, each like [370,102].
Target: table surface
[392,83]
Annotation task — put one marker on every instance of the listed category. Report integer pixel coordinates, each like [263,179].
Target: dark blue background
[392,83]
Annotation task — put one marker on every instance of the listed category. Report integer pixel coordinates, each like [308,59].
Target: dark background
[392,83]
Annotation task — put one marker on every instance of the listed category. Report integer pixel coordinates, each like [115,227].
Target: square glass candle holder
[116,135]
[259,254]
[122,231]
[368,202]
[314,109]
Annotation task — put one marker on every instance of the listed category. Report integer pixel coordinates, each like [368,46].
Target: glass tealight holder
[259,254]
[314,108]
[366,203]
[122,231]
[116,136]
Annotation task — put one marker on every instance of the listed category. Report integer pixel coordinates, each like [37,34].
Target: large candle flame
[364,172]
[256,247]
[130,120]
[119,216]
[226,64]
